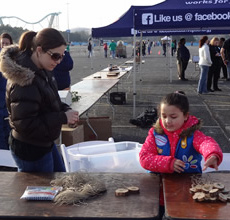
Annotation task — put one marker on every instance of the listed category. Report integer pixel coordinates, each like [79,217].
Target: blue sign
[170,19]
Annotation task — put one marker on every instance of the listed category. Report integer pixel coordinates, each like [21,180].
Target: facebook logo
[147,19]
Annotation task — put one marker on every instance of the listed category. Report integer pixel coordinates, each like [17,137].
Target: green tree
[15,32]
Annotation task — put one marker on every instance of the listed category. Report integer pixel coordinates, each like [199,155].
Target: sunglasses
[55,56]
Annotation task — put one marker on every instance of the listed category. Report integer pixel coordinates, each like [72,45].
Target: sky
[73,13]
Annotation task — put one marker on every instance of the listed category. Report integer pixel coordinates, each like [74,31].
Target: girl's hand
[211,161]
[179,166]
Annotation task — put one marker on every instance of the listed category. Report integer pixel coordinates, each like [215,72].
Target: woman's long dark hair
[47,38]
[202,41]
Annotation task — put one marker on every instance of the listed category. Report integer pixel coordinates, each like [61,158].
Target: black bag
[118,98]
[145,119]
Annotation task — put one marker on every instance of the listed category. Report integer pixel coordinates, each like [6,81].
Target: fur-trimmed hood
[14,68]
[191,125]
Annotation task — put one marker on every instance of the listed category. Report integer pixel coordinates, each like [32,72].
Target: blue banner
[171,17]
[181,19]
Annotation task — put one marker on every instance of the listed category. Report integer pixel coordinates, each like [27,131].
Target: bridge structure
[50,20]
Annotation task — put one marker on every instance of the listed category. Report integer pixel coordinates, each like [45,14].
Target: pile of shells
[205,190]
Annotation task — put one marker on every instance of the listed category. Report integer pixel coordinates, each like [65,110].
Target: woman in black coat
[36,112]
[214,70]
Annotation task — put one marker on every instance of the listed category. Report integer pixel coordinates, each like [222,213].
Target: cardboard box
[101,125]
[138,59]
[65,96]
[72,136]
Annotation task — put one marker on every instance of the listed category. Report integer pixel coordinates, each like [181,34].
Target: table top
[90,91]
[180,205]
[94,86]
[107,206]
[132,61]
[121,68]
[103,74]
[85,102]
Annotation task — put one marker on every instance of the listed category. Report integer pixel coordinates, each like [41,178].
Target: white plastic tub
[122,157]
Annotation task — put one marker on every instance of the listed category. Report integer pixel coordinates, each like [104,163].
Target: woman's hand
[211,162]
[179,166]
[72,117]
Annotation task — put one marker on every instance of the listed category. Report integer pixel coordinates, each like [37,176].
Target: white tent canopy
[166,38]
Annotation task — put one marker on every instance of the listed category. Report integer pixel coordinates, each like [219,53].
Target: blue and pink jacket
[162,148]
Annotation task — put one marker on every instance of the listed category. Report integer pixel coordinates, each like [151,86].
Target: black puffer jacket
[35,109]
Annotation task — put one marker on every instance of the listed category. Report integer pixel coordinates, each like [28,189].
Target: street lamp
[68,30]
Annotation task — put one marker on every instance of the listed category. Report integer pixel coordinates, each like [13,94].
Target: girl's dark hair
[47,38]
[178,99]
[6,35]
[202,41]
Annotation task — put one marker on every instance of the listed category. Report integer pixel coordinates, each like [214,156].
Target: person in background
[178,57]
[225,54]
[61,71]
[143,48]
[36,112]
[90,48]
[119,49]
[204,63]
[173,47]
[149,45]
[223,66]
[175,143]
[112,47]
[105,46]
[164,46]
[214,69]
[5,40]
[138,48]
[184,57]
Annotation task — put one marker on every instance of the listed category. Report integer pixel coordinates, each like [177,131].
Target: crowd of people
[213,56]
[116,49]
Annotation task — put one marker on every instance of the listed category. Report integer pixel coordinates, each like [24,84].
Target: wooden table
[107,206]
[180,205]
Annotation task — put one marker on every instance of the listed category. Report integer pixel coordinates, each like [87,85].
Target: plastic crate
[121,157]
